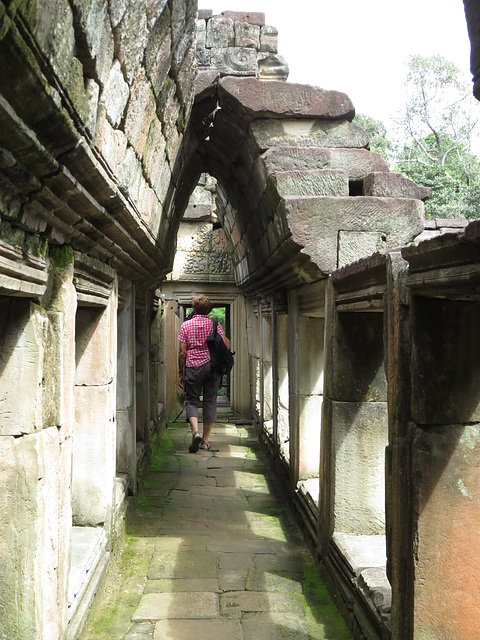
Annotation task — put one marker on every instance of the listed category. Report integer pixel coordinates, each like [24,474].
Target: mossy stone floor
[212,551]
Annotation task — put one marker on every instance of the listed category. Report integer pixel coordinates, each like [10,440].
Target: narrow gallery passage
[213,551]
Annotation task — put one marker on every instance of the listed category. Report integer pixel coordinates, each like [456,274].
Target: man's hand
[181,381]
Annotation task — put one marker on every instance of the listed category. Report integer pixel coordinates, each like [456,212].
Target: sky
[361,47]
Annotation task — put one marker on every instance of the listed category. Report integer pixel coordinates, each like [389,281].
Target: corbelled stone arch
[306,194]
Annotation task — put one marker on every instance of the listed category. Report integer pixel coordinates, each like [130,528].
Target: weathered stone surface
[131,38]
[115,94]
[95,46]
[269,39]
[140,113]
[25,331]
[158,52]
[307,133]
[273,626]
[394,185]
[449,397]
[234,61]
[200,629]
[399,219]
[220,33]
[161,606]
[258,99]
[247,35]
[272,67]
[252,17]
[30,483]
[360,433]
[445,497]
[352,244]
[357,163]
[236,601]
[112,143]
[316,182]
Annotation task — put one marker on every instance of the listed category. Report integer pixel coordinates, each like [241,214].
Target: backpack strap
[215,325]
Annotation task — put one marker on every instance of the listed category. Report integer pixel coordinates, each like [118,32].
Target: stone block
[234,61]
[247,35]
[25,331]
[272,67]
[446,536]
[274,626]
[220,33]
[256,99]
[168,606]
[315,182]
[200,629]
[112,143]
[158,52]
[95,47]
[359,374]
[31,552]
[269,39]
[140,113]
[394,185]
[296,159]
[115,94]
[93,456]
[131,38]
[400,220]
[244,601]
[445,383]
[252,17]
[353,245]
[360,434]
[307,133]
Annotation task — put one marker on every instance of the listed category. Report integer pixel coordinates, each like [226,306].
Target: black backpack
[221,358]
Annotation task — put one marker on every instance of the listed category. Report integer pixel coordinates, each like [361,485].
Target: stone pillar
[293,384]
[283,403]
[142,368]
[126,402]
[266,373]
[171,328]
[240,391]
[445,462]
[35,449]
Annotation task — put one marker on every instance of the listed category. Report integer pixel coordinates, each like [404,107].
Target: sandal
[205,445]
[196,440]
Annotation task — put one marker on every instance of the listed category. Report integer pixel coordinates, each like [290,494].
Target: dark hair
[201,305]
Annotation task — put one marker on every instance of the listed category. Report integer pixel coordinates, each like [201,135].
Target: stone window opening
[359,423]
[355,188]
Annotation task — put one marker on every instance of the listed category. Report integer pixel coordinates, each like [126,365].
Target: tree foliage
[436,130]
[377,132]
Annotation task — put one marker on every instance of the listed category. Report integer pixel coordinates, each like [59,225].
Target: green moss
[324,621]
[162,444]
[61,257]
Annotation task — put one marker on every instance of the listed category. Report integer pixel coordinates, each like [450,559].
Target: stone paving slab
[220,553]
[161,606]
[274,626]
[198,630]
[270,581]
[174,585]
[184,564]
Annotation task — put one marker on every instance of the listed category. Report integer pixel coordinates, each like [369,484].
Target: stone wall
[94,101]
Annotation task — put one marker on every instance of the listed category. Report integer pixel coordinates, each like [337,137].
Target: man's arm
[182,358]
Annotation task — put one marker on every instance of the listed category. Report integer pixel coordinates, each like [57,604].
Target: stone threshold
[88,546]
[359,563]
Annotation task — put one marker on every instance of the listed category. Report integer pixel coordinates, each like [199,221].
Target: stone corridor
[212,551]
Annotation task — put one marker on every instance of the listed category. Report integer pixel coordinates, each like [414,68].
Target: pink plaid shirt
[195,333]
